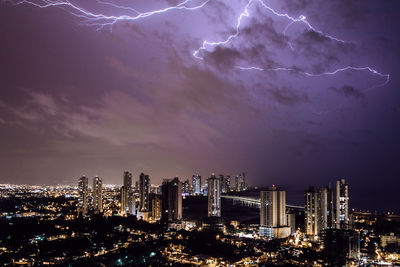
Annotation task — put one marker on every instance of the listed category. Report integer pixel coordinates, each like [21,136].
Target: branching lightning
[101,20]
[245,13]
[309,74]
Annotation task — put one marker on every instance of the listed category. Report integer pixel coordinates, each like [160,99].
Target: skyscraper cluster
[83,198]
[168,206]
[226,185]
[320,212]
[151,207]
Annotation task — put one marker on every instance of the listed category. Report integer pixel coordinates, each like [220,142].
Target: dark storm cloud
[223,57]
[296,5]
[288,96]
[349,11]
[261,42]
[264,32]
[73,99]
[321,50]
[347,91]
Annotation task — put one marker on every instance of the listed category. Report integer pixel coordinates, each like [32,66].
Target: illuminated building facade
[240,182]
[342,204]
[214,196]
[127,202]
[316,210]
[156,208]
[97,195]
[196,184]
[273,219]
[83,196]
[185,187]
[144,188]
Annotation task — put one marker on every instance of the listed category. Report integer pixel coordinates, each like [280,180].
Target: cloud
[263,31]
[288,97]
[296,5]
[169,112]
[45,102]
[348,91]
[223,57]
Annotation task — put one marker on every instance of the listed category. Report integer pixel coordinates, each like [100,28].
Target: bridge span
[253,202]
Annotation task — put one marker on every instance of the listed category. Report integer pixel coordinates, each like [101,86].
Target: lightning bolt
[309,74]
[101,20]
[300,19]
[245,13]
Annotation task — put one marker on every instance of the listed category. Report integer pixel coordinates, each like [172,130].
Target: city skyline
[324,229]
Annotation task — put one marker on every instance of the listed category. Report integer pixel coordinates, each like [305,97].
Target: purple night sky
[78,97]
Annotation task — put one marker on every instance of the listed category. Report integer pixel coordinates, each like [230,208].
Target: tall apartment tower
[342,204]
[144,189]
[83,196]
[127,194]
[214,196]
[97,195]
[273,219]
[171,202]
[228,183]
[240,182]
[330,212]
[222,182]
[316,215]
[225,183]
[196,184]
[186,187]
[156,208]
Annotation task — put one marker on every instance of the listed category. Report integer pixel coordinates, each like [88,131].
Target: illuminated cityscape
[279,234]
[199,133]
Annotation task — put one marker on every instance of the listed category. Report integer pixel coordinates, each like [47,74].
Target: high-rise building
[83,196]
[186,187]
[273,219]
[222,183]
[136,189]
[316,207]
[196,184]
[214,196]
[144,184]
[156,208]
[97,195]
[228,183]
[225,183]
[171,200]
[342,204]
[330,211]
[240,182]
[341,247]
[127,202]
